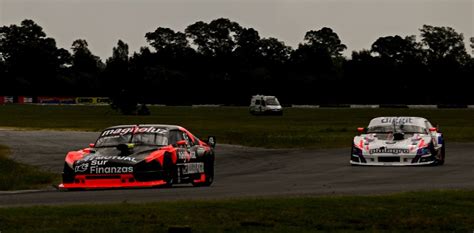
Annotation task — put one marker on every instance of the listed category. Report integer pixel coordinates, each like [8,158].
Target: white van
[265,105]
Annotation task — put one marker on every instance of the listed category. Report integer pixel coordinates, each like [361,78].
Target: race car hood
[83,161]
[376,144]
[114,155]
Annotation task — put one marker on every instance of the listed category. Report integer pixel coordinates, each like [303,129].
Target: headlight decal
[423,151]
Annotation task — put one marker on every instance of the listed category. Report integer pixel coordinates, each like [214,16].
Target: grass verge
[16,176]
[315,128]
[435,211]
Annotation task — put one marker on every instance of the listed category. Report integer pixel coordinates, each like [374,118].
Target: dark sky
[357,22]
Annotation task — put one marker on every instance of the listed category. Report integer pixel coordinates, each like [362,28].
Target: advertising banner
[92,100]
[56,100]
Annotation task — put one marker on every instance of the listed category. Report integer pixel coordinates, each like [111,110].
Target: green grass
[316,128]
[436,211]
[15,176]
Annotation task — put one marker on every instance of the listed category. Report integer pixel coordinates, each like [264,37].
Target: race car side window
[175,136]
[194,138]
[428,124]
[189,138]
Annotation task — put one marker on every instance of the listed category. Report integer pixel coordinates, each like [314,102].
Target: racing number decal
[186,156]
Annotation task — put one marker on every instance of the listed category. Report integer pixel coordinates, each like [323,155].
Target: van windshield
[272,102]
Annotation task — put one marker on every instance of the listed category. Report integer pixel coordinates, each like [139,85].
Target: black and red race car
[141,156]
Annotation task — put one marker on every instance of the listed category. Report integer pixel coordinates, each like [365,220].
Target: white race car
[398,141]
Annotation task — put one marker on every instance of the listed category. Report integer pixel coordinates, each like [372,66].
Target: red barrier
[25,99]
[8,99]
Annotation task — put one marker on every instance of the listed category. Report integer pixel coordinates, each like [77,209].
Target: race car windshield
[409,129]
[107,139]
[272,102]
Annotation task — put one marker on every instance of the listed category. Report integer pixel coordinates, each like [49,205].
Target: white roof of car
[381,121]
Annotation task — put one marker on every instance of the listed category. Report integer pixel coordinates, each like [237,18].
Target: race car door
[188,166]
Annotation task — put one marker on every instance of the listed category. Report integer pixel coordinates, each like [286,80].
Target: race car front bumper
[392,160]
[109,181]
[391,164]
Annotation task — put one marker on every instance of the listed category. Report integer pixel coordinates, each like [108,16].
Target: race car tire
[169,170]
[440,161]
[208,171]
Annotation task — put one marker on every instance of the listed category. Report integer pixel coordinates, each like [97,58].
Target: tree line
[222,62]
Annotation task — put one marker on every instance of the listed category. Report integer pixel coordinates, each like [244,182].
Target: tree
[120,53]
[85,69]
[447,57]
[397,49]
[123,93]
[216,38]
[32,64]
[216,62]
[325,39]
[316,64]
[166,39]
[82,58]
[472,44]
[248,43]
[274,51]
[444,43]
[172,48]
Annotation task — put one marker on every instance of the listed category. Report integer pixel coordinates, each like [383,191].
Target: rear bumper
[108,181]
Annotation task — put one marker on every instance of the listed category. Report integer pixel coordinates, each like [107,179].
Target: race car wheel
[208,171]
[68,174]
[440,161]
[168,170]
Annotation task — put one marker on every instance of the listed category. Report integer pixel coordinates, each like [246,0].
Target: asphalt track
[242,172]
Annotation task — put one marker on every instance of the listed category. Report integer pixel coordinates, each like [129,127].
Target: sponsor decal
[186,155]
[81,168]
[101,157]
[99,167]
[383,150]
[134,130]
[110,170]
[192,168]
[397,120]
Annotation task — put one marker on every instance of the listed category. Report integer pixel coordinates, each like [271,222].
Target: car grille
[389,159]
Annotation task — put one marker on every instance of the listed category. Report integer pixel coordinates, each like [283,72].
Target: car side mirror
[91,145]
[211,141]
